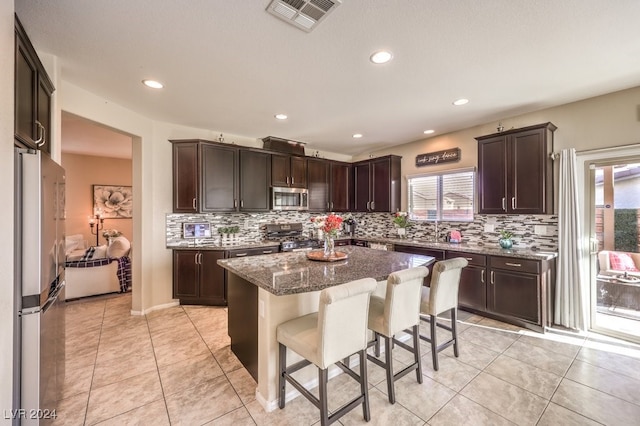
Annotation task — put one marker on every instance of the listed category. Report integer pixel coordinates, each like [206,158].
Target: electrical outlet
[540,230]
[489,227]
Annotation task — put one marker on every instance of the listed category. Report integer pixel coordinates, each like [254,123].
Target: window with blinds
[445,196]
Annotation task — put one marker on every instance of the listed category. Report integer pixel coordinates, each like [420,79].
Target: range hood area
[285,146]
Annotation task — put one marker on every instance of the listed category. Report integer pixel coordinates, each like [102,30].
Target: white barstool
[440,297]
[337,331]
[397,311]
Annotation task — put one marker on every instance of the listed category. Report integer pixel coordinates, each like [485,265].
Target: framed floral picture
[114,201]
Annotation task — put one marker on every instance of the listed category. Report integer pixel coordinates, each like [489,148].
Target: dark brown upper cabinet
[288,171]
[515,171]
[214,177]
[32,97]
[330,185]
[377,184]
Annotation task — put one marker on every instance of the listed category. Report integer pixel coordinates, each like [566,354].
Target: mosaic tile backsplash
[536,232]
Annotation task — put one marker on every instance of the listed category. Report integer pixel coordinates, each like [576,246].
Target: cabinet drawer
[252,251]
[472,258]
[515,264]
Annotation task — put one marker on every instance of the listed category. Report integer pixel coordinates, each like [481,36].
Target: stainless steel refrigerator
[39,331]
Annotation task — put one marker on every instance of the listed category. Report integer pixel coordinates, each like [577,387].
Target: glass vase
[402,232]
[329,246]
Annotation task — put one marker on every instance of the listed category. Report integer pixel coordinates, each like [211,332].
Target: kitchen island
[265,291]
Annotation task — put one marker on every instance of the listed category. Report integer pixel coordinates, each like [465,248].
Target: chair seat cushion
[425,307]
[301,336]
[376,314]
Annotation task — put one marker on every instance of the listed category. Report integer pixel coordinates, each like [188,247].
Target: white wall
[6,214]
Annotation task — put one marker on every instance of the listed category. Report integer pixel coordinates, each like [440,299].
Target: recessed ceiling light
[461,101]
[281,116]
[428,132]
[153,84]
[357,135]
[381,57]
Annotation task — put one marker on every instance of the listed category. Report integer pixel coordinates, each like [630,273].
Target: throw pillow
[119,247]
[88,255]
[622,262]
[101,252]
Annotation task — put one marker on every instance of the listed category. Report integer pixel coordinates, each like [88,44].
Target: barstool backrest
[402,299]
[444,285]
[342,320]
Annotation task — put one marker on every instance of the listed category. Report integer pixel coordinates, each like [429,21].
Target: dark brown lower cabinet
[472,292]
[513,290]
[197,277]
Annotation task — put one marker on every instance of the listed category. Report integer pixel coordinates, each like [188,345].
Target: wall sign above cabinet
[438,157]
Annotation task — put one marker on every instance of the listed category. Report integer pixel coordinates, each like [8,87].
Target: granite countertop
[223,247]
[463,247]
[291,273]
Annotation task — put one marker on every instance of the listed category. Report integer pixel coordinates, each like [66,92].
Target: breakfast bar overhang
[265,291]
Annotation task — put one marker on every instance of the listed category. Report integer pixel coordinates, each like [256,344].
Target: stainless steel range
[291,237]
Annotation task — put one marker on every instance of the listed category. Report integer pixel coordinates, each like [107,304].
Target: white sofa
[99,275]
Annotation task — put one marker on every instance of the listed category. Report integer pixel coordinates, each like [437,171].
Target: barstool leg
[377,346]
[454,330]
[364,385]
[434,346]
[389,362]
[282,366]
[324,409]
[416,351]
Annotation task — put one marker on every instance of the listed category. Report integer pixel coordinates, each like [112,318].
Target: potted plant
[401,221]
[505,240]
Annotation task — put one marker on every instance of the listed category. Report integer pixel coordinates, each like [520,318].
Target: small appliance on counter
[349,227]
[290,237]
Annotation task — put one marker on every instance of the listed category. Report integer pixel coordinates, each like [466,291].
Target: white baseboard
[155,308]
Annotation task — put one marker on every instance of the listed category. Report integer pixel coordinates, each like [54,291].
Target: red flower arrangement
[330,224]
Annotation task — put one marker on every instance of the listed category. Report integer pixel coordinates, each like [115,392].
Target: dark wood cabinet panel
[362,197]
[515,294]
[298,172]
[515,172]
[186,177]
[197,277]
[255,170]
[219,170]
[472,292]
[212,279]
[318,184]
[185,274]
[32,95]
[377,184]
[341,187]
[288,171]
[492,176]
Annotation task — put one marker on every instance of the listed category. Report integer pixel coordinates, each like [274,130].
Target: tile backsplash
[529,231]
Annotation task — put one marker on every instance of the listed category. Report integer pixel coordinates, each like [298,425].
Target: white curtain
[570,309]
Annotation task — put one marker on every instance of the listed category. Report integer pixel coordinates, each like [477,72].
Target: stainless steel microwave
[289,198]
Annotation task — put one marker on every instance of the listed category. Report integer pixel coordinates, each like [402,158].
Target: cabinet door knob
[332,205]
[373,205]
[493,278]
[287,180]
[292,180]
[240,254]
[482,277]
[513,203]
[195,258]
[235,203]
[39,141]
[267,251]
[193,203]
[513,264]
[368,203]
[241,203]
[504,204]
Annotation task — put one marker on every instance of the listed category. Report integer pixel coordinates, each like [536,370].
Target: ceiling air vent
[304,14]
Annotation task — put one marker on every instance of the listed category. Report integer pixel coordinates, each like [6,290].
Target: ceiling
[229,66]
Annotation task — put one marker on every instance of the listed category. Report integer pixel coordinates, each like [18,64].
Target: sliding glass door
[614,221]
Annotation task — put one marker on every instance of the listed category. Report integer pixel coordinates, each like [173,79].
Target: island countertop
[290,273]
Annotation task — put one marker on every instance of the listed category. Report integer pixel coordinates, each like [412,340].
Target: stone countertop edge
[292,273]
[240,246]
[464,247]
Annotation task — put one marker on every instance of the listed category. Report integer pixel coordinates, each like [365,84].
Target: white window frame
[439,202]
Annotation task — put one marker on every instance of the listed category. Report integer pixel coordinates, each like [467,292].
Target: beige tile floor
[175,367]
